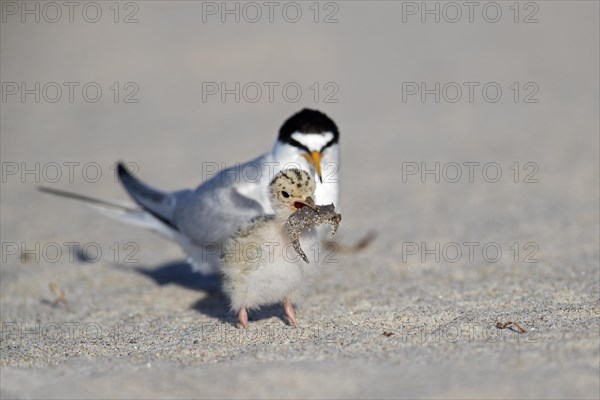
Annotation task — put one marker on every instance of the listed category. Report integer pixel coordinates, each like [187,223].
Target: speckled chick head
[291,189]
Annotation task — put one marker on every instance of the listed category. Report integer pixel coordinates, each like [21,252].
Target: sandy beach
[470,148]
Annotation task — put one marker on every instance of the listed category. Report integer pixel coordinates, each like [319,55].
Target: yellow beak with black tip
[315,159]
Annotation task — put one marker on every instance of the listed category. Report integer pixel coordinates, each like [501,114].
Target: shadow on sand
[215,304]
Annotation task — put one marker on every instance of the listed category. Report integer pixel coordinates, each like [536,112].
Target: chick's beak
[308,202]
[315,159]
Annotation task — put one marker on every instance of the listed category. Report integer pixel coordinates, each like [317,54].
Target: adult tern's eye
[285,194]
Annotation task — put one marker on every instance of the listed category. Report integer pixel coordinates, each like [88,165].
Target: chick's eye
[285,194]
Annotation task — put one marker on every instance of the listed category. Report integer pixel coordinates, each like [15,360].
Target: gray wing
[217,209]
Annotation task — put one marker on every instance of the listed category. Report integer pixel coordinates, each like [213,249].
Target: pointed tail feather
[86,199]
[119,212]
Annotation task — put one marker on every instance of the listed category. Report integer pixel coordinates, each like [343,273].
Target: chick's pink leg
[289,311]
[243,316]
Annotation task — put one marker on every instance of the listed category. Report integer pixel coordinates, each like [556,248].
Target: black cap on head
[307,121]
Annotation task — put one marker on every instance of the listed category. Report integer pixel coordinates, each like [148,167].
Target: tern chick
[257,269]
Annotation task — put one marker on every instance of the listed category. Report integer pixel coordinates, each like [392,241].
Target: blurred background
[387,73]
[359,55]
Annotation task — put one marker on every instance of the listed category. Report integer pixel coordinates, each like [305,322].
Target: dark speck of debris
[513,326]
[60,295]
